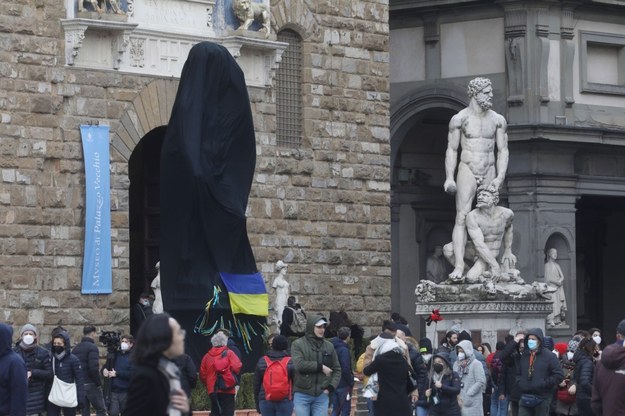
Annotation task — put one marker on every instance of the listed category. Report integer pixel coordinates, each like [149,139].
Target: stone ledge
[511,307]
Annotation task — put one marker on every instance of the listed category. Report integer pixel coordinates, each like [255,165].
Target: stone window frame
[289,125]
[606,39]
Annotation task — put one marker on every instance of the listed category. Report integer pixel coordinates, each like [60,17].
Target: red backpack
[226,378]
[276,380]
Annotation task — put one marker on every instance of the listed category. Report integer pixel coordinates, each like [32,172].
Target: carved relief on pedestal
[137,52]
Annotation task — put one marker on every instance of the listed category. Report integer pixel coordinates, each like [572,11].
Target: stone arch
[150,109]
[294,15]
[416,102]
[558,241]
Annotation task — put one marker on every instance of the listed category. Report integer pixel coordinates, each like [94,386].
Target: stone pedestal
[487,321]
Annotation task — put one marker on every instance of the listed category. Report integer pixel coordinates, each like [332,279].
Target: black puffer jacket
[39,362]
[89,356]
[546,372]
[67,368]
[583,374]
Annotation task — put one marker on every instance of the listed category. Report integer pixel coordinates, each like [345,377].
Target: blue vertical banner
[96,272]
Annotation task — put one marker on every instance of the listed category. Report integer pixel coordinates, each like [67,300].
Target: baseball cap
[321,322]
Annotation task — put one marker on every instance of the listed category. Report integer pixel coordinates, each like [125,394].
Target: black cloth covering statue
[208,158]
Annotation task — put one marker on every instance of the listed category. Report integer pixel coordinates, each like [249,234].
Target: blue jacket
[345,359]
[123,372]
[13,381]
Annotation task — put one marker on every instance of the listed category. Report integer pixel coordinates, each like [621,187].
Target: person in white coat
[472,379]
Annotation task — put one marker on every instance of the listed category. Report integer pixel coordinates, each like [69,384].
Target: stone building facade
[323,205]
[558,78]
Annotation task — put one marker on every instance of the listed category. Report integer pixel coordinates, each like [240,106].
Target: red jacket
[208,375]
[609,382]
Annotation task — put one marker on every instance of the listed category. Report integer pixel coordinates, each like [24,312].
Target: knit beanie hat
[279,343]
[573,343]
[29,327]
[425,346]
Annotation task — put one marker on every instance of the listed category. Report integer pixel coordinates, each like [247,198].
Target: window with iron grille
[289,91]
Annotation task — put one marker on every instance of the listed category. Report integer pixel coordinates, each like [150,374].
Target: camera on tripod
[111,339]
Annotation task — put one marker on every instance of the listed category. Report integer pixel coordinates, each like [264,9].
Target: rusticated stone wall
[324,204]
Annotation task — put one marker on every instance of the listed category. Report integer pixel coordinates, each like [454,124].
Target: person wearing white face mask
[119,375]
[39,366]
[140,312]
[595,333]
[472,379]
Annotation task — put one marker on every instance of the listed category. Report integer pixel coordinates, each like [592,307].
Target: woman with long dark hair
[155,385]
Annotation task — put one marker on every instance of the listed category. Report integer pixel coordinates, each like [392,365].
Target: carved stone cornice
[567,25]
[431,29]
[542,24]
[515,23]
[494,307]
[270,50]
[75,34]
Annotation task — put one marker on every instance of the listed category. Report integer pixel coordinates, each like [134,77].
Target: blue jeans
[370,407]
[341,405]
[307,405]
[281,408]
[498,407]
[422,411]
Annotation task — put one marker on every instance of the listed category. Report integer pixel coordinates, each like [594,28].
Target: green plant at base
[244,400]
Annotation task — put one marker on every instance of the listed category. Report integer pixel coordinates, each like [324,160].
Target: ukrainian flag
[247,293]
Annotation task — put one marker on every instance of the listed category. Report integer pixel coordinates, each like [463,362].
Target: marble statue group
[481,248]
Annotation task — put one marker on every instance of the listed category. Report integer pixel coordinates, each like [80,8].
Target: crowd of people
[527,374]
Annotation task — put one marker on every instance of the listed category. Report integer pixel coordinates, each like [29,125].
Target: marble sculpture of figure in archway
[555,277]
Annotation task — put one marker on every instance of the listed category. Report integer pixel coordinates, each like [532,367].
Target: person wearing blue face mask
[537,375]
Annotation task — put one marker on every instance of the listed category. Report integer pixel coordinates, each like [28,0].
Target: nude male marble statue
[477,130]
[489,226]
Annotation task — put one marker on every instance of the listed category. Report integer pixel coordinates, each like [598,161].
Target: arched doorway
[144,213]
[423,214]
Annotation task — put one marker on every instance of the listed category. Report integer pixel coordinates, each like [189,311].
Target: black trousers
[222,404]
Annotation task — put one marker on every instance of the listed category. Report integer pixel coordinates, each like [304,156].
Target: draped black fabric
[207,166]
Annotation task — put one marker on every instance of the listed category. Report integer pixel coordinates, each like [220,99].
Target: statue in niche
[157,306]
[101,6]
[435,268]
[247,12]
[478,130]
[488,226]
[555,277]
[281,286]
